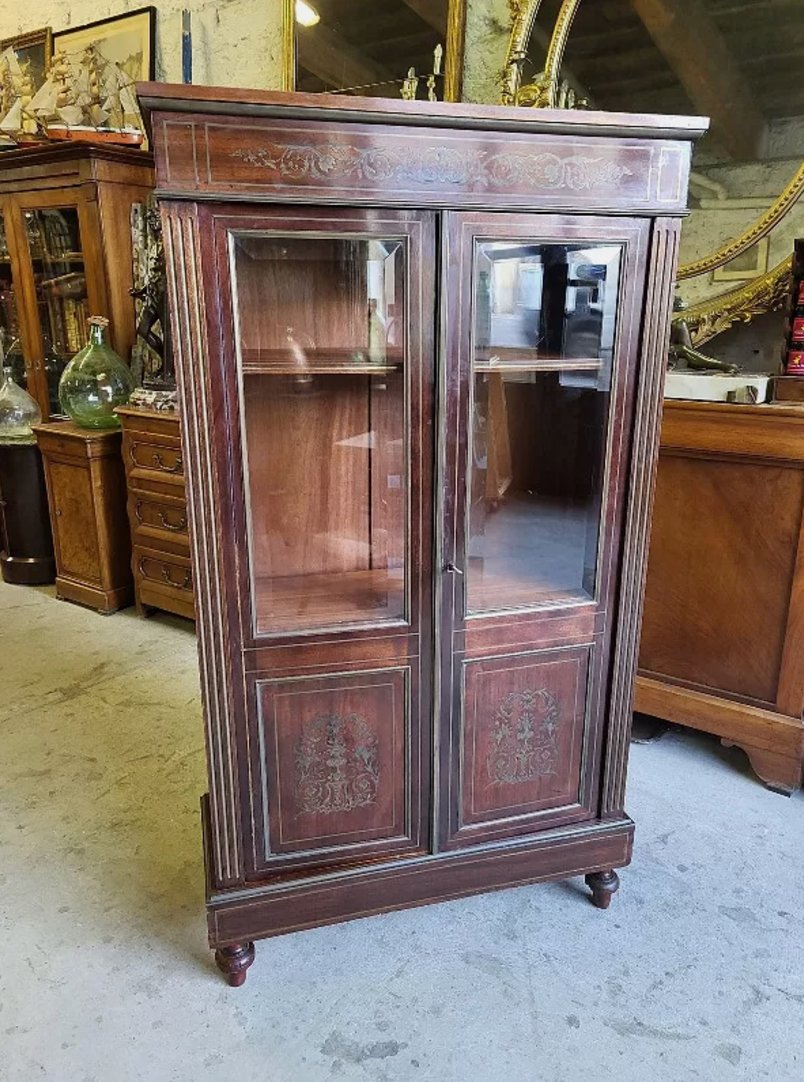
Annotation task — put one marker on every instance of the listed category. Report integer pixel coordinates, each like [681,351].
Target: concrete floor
[697,970]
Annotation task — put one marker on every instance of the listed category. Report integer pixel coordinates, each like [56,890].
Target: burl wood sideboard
[420,357]
[723,636]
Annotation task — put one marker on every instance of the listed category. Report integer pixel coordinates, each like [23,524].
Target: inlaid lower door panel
[522,740]
[541,342]
[335,765]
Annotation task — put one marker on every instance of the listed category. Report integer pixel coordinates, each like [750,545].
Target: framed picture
[749,264]
[126,39]
[35,49]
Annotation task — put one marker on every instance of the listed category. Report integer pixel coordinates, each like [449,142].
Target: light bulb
[306,15]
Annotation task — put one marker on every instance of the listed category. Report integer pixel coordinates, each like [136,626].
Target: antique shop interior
[402,540]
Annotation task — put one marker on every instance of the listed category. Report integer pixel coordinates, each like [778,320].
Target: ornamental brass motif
[437,165]
[524,742]
[336,765]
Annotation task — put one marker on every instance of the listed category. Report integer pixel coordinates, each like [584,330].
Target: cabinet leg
[603,886]
[781,773]
[233,962]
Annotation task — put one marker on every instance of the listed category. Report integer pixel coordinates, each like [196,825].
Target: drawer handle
[168,525]
[160,464]
[166,575]
[184,585]
[164,521]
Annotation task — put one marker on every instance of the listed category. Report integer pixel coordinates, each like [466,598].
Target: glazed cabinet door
[328,376]
[542,322]
[64,283]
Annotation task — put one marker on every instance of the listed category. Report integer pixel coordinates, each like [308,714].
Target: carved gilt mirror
[392,48]
[743,71]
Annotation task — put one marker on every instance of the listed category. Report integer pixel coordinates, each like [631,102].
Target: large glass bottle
[96,381]
[18,411]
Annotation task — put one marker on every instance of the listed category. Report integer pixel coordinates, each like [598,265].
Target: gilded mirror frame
[764,293]
[453,48]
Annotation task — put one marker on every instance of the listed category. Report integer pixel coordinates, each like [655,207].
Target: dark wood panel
[523,727]
[287,162]
[725,538]
[335,766]
[295,904]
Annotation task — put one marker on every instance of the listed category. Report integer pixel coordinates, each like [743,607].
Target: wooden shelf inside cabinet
[317,362]
[512,360]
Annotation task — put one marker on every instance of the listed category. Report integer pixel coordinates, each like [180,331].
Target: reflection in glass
[544,324]
[54,242]
[320,336]
[365,47]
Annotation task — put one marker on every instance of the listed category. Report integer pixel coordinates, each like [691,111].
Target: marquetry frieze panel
[265,158]
[335,762]
[522,736]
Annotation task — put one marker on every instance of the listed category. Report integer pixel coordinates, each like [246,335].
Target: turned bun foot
[233,962]
[603,886]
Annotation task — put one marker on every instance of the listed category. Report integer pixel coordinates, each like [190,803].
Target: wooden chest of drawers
[157,511]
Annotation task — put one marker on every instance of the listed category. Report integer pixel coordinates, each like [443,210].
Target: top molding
[232,101]
[266,146]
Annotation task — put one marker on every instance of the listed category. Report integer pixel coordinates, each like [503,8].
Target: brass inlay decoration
[524,742]
[337,767]
[767,293]
[435,164]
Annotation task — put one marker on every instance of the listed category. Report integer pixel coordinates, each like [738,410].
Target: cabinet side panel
[215,647]
[645,449]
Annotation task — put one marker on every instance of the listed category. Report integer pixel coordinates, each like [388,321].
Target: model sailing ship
[87,98]
[16,92]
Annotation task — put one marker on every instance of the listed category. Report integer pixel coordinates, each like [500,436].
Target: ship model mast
[86,99]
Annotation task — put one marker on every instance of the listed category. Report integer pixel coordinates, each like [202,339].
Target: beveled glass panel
[54,243]
[542,352]
[321,350]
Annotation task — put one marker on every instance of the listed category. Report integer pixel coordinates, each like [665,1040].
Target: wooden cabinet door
[541,318]
[63,282]
[322,405]
[75,531]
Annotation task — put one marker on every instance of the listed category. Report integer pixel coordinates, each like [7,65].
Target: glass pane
[54,242]
[321,344]
[9,318]
[544,322]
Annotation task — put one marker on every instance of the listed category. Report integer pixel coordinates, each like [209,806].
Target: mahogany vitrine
[420,359]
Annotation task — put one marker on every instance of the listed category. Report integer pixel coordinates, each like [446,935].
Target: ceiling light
[306,15]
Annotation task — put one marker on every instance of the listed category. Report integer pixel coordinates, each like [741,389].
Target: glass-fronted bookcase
[65,254]
[420,360]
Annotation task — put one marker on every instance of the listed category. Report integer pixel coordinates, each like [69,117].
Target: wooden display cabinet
[419,414]
[723,638]
[65,254]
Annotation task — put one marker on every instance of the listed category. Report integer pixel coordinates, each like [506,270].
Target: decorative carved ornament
[759,229]
[524,741]
[767,293]
[545,90]
[436,164]
[337,767]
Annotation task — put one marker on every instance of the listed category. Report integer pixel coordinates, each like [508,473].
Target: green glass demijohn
[96,381]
